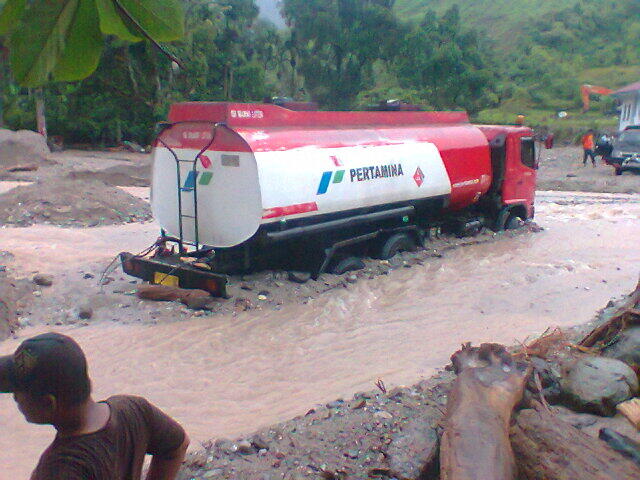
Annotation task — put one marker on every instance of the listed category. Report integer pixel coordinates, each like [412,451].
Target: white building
[629,97]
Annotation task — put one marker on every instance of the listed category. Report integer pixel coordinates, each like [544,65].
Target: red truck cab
[514,164]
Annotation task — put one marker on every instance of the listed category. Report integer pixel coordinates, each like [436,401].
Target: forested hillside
[549,47]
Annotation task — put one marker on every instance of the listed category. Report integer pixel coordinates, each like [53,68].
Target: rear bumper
[150,269]
[623,163]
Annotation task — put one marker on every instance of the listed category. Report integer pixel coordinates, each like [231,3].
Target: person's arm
[166,467]
[167,442]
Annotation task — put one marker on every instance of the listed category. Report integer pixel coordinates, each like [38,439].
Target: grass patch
[566,130]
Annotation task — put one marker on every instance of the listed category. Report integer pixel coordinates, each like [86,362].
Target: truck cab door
[520,174]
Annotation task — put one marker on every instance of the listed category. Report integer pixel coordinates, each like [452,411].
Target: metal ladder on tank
[193,175]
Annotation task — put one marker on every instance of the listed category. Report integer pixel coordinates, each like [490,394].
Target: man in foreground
[105,440]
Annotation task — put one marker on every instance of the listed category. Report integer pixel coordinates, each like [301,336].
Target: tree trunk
[547,448]
[41,121]
[225,84]
[475,444]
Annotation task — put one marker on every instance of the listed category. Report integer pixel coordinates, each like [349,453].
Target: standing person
[105,440]
[588,146]
[604,146]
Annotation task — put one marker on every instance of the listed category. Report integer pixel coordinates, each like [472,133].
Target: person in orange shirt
[588,146]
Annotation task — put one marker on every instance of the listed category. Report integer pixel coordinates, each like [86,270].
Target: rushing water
[228,375]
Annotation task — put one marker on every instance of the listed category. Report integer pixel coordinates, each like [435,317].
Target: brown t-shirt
[117,451]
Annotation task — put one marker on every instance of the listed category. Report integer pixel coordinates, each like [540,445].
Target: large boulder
[21,148]
[598,384]
[626,348]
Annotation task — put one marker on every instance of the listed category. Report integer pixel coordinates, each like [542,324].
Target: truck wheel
[618,171]
[400,242]
[347,264]
[514,223]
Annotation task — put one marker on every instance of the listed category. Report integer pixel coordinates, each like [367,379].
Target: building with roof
[629,98]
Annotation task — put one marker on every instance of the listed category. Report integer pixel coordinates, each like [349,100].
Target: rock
[196,459]
[259,442]
[262,297]
[299,277]
[43,280]
[242,304]
[352,278]
[598,384]
[133,146]
[199,302]
[383,414]
[245,447]
[335,404]
[87,276]
[413,451]
[85,312]
[549,376]
[225,446]
[591,424]
[627,348]
[212,473]
[27,167]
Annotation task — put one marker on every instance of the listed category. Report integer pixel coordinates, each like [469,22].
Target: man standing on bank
[105,440]
[588,147]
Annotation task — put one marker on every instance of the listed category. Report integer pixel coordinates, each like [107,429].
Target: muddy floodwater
[228,375]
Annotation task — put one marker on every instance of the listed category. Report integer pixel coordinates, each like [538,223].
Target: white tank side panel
[338,179]
[229,205]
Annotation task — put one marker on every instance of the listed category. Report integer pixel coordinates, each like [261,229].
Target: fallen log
[475,444]
[192,298]
[627,314]
[546,448]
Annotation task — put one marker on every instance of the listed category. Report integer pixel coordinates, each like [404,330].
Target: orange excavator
[587,90]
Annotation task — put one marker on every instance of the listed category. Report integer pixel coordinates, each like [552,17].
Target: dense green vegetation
[494,58]
[545,49]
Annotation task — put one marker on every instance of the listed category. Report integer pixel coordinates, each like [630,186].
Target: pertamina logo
[361,174]
[337,176]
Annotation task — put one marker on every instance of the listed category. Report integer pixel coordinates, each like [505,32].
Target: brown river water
[229,375]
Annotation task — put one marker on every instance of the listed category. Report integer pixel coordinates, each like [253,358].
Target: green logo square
[205,178]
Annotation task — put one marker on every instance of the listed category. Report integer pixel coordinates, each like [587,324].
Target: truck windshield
[630,138]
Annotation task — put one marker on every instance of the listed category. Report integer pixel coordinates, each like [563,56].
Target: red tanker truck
[238,187]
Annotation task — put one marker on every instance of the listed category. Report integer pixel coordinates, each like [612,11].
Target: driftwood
[631,410]
[192,298]
[475,444]
[628,314]
[546,448]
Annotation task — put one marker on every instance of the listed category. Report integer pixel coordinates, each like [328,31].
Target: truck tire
[514,223]
[617,171]
[347,264]
[399,242]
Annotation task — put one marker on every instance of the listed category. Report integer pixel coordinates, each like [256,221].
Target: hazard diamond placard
[418,177]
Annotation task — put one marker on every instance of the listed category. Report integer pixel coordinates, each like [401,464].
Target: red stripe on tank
[276,212]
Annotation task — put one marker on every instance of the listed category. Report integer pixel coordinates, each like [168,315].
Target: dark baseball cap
[50,363]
